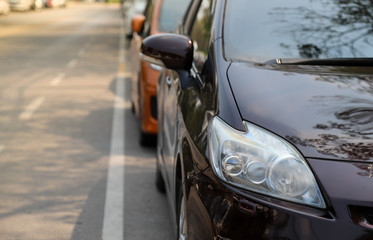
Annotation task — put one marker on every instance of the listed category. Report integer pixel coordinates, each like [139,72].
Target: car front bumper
[217,210]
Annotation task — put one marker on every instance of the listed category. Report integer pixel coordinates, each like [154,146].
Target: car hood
[326,112]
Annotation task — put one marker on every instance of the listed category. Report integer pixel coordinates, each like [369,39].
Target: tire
[182,221]
[144,137]
[146,140]
[159,182]
[133,107]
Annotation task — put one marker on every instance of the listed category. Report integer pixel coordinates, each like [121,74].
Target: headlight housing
[262,162]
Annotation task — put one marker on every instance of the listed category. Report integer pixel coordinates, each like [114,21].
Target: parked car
[21,5]
[4,7]
[25,5]
[37,4]
[130,9]
[159,16]
[55,3]
[265,119]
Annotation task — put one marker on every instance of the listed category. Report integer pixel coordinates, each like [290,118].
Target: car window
[171,14]
[201,33]
[298,29]
[148,13]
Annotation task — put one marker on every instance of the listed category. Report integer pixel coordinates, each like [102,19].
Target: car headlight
[262,162]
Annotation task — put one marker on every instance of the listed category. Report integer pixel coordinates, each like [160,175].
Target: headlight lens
[260,161]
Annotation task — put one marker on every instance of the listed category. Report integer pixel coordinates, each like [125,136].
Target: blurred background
[60,62]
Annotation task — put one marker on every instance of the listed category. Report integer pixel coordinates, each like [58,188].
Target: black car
[265,119]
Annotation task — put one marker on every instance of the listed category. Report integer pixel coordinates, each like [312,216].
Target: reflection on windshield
[298,29]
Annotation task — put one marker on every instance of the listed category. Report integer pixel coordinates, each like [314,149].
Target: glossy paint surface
[137,22]
[143,85]
[174,50]
[325,112]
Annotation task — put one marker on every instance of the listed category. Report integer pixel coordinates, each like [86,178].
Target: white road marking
[72,63]
[2,148]
[121,55]
[124,75]
[31,108]
[114,202]
[57,80]
[127,105]
[113,222]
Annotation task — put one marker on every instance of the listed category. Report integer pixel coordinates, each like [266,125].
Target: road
[68,139]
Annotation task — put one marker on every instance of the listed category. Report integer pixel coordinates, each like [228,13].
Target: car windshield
[171,14]
[263,30]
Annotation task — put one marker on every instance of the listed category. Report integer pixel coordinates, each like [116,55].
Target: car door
[197,21]
[169,121]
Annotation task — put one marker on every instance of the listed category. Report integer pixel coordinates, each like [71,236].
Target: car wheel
[132,107]
[159,182]
[146,139]
[181,227]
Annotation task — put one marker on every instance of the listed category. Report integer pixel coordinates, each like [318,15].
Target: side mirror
[137,23]
[173,51]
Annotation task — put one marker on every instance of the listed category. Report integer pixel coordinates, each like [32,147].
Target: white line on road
[31,108]
[2,148]
[57,80]
[114,202]
[113,222]
[72,63]
[125,75]
[121,54]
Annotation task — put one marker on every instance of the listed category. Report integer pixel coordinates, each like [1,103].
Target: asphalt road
[61,73]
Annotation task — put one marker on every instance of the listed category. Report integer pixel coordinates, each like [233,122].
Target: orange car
[160,16]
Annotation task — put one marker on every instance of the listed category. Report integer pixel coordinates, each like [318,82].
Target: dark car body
[215,108]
